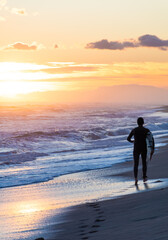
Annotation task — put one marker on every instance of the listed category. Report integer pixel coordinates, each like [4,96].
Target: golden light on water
[29,208]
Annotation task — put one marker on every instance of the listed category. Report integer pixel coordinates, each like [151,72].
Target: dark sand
[140,216]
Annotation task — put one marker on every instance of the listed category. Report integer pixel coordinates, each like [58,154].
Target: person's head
[140,121]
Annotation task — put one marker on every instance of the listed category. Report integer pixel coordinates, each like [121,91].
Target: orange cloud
[15,10]
[21,46]
[62,69]
[71,69]
[18,11]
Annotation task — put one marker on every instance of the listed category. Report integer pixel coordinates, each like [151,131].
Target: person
[140,148]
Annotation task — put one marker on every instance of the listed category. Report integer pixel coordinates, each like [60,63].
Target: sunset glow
[70,47]
[12,88]
[24,78]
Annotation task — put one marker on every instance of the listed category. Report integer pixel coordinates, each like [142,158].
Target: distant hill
[115,94]
[134,93]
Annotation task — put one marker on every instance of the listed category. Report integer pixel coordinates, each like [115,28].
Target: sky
[72,45]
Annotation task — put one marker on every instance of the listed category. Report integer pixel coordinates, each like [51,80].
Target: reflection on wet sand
[146,185]
[28,210]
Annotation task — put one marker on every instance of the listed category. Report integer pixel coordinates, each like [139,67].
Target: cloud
[113,45]
[15,10]
[18,11]
[21,46]
[55,46]
[143,41]
[70,69]
[62,69]
[153,41]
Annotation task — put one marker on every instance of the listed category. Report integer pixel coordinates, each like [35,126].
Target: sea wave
[42,145]
[33,136]
[13,158]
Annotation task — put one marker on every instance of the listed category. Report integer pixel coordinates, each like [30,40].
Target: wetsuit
[140,148]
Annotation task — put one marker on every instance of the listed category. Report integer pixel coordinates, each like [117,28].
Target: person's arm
[130,136]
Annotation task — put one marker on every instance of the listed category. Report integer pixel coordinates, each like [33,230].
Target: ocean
[40,143]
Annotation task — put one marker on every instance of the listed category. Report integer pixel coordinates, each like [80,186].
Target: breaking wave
[41,144]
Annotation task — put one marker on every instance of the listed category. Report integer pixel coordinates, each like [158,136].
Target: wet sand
[77,206]
[140,216]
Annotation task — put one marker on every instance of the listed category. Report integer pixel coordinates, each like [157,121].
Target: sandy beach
[136,216]
[95,204]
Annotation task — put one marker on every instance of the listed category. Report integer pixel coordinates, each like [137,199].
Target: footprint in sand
[82,234]
[95,226]
[93,231]
[97,208]
[99,211]
[94,205]
[99,220]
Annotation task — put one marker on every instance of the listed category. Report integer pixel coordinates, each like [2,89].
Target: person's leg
[144,165]
[136,163]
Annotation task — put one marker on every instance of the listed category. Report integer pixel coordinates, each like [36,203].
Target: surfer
[140,147]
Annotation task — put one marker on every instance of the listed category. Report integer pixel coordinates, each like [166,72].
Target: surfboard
[150,145]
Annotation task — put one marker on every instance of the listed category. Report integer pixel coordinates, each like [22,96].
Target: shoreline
[36,208]
[52,206]
[132,216]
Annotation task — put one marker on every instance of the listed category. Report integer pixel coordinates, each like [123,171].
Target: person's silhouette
[140,148]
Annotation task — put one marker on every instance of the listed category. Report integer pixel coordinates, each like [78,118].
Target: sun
[24,78]
[13,88]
